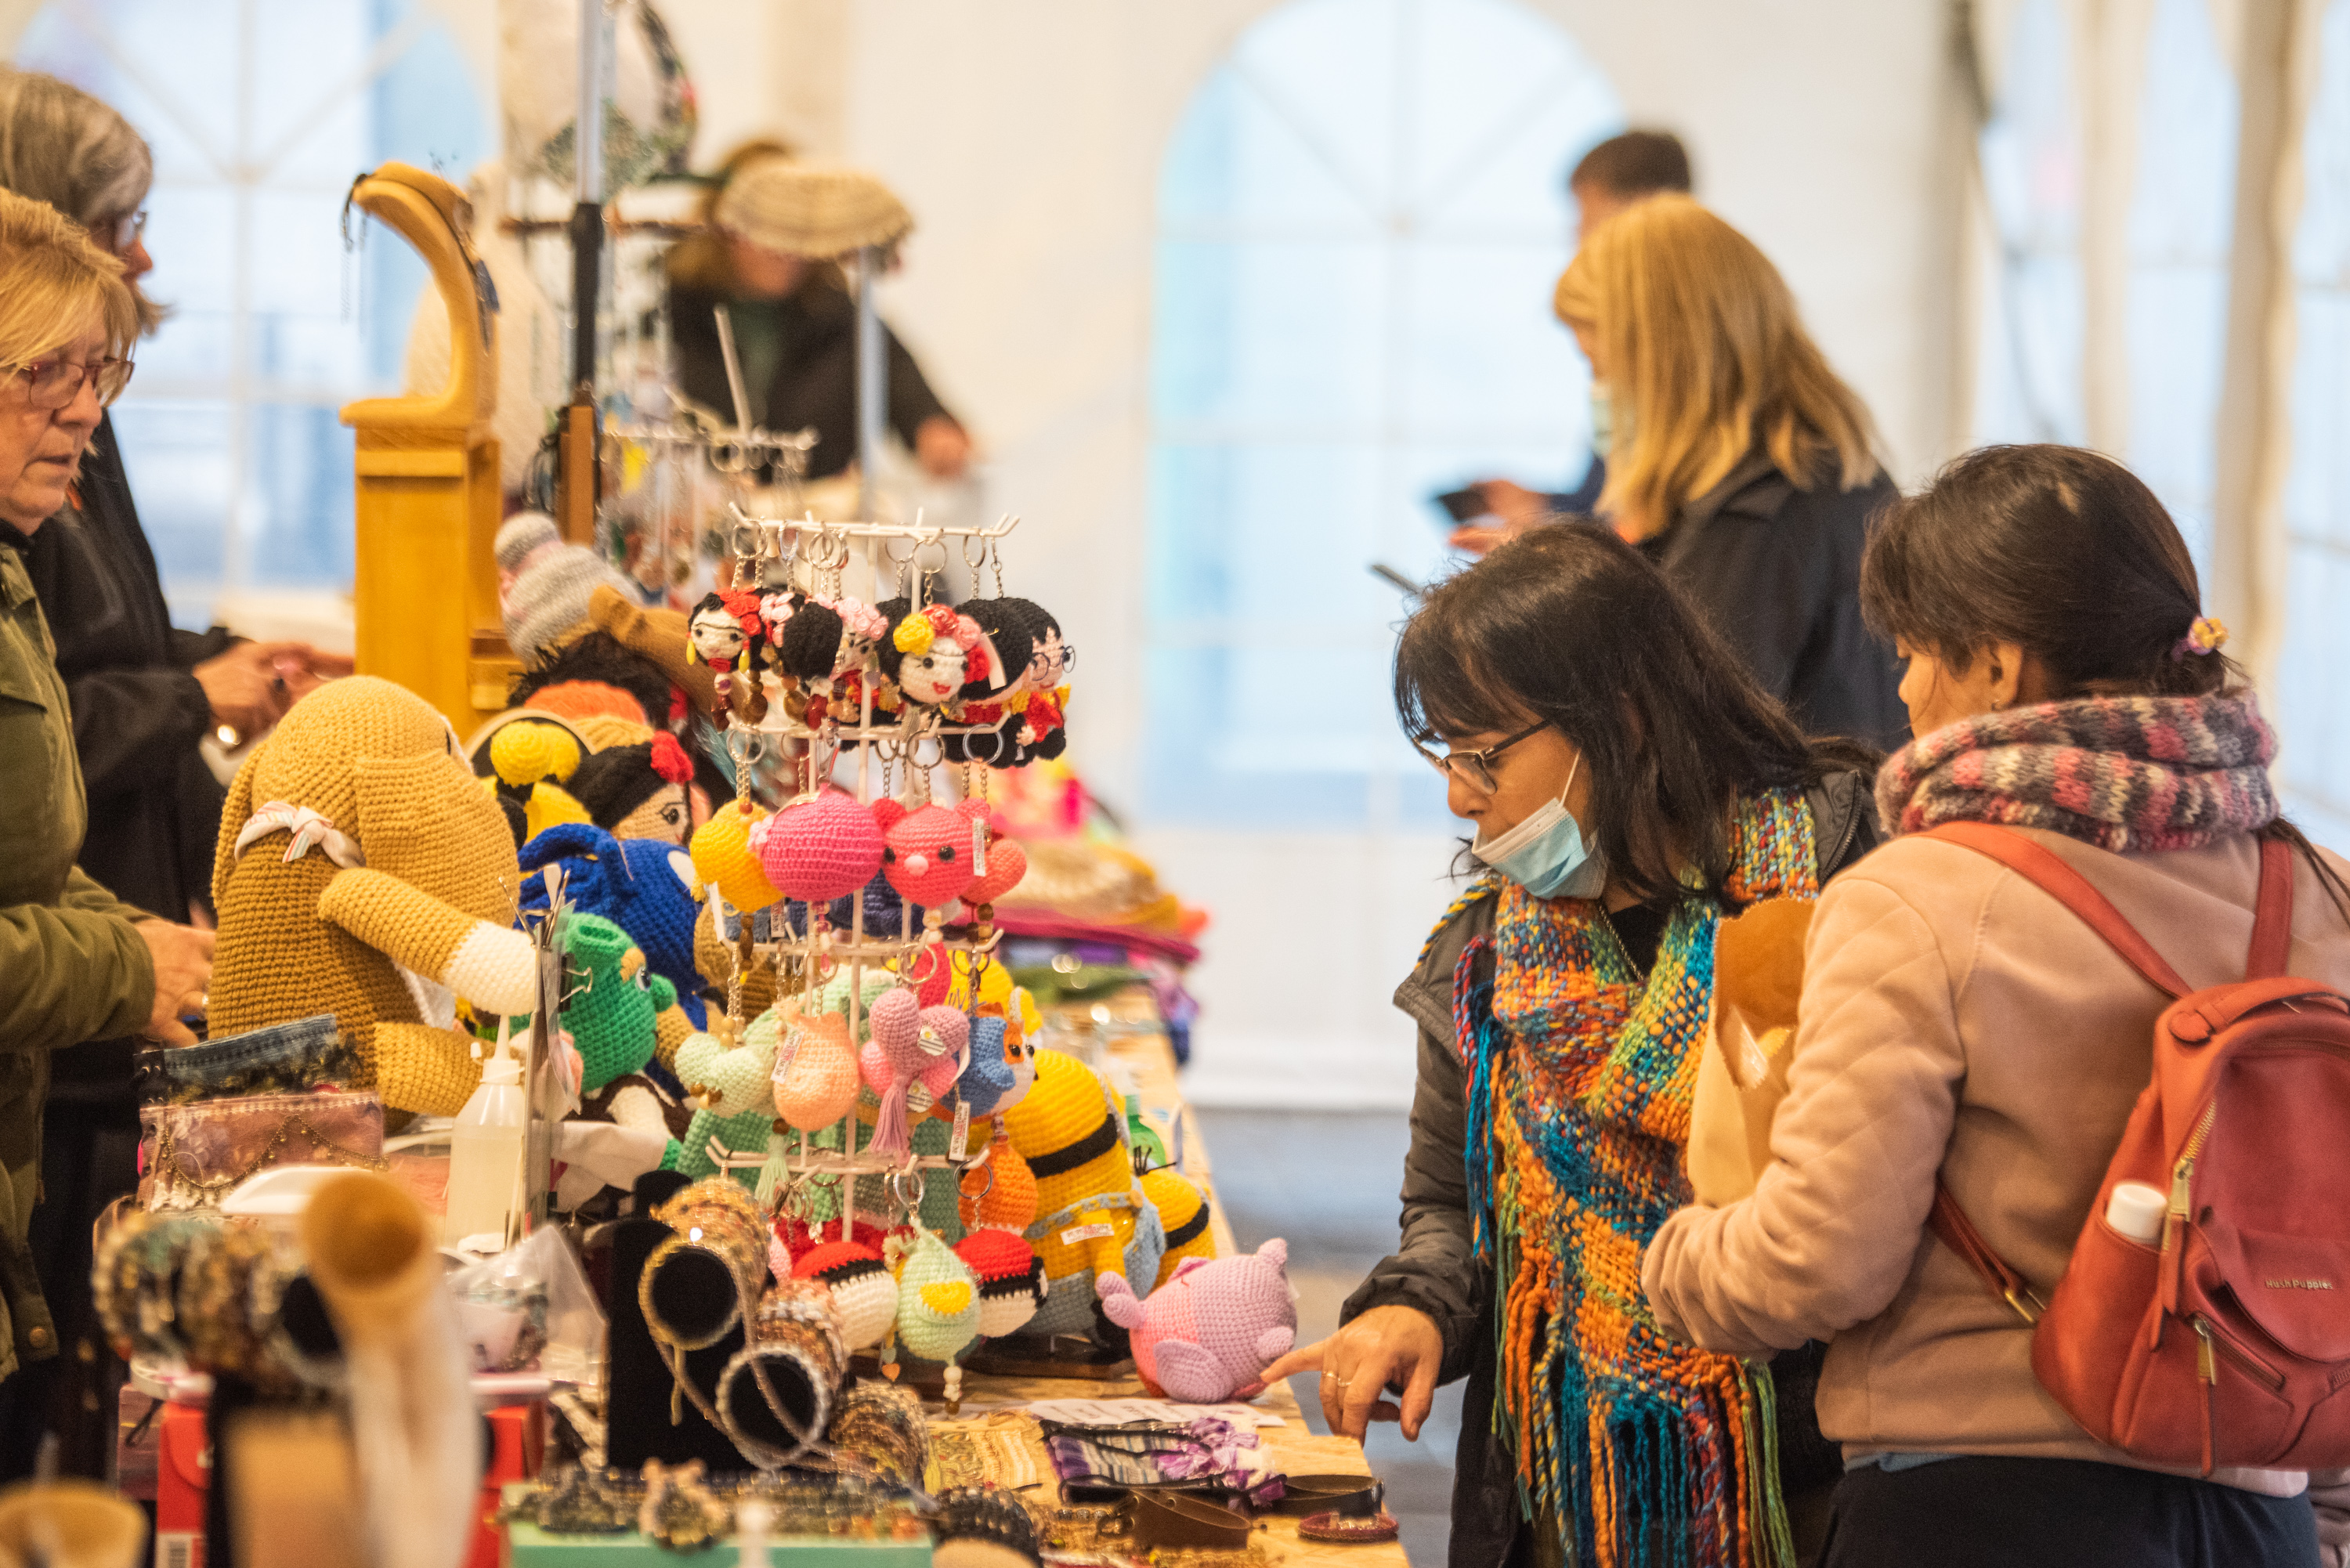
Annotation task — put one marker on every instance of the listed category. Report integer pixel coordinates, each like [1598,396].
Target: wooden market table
[988,1441]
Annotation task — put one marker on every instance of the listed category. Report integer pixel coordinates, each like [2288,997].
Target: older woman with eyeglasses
[76,962]
[1630,785]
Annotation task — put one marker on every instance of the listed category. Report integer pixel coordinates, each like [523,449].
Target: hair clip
[2206,636]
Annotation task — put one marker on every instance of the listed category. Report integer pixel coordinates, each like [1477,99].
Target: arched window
[260,113]
[2313,701]
[1362,215]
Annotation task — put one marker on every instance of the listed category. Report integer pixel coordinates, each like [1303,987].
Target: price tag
[979,846]
[1094,1232]
[962,1131]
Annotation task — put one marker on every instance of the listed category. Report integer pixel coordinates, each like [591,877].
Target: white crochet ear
[497,968]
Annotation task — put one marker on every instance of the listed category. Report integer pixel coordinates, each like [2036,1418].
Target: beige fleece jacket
[1957,1019]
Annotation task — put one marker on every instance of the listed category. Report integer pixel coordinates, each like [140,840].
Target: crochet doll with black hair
[1011,627]
[638,790]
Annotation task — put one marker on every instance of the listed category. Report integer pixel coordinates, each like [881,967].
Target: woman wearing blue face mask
[1629,783]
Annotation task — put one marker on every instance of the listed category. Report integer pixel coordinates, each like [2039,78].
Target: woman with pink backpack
[1990,1083]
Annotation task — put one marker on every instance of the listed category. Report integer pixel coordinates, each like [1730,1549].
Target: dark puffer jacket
[1437,1270]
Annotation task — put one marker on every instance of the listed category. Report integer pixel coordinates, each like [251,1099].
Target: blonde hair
[53,282]
[1707,360]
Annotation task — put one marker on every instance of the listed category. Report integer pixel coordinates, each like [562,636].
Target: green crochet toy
[614,1000]
[733,1091]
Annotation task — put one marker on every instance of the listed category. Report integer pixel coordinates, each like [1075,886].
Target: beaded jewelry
[679,1514]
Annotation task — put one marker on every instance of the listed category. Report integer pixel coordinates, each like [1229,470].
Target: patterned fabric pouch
[192,1156]
[283,1059]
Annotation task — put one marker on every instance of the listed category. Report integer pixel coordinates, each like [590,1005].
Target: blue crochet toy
[644,886]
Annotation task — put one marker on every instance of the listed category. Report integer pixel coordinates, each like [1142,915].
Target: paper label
[177,1549]
[979,846]
[1095,1233]
[962,1132]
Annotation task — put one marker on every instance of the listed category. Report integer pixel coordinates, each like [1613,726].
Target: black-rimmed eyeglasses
[1475,768]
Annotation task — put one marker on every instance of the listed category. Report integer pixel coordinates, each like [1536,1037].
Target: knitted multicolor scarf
[1581,1076]
[2121,773]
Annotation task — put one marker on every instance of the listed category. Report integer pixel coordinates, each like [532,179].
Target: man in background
[1613,175]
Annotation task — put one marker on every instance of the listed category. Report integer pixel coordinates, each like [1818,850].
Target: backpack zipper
[2182,1205]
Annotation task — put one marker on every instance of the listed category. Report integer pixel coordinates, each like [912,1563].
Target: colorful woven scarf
[2121,773]
[1581,1076]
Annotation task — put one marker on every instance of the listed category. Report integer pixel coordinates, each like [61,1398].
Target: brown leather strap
[1175,1521]
[1951,1225]
[2272,914]
[2045,870]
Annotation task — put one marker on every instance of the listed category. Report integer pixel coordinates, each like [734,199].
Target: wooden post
[427,496]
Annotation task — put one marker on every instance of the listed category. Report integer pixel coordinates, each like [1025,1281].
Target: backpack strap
[2273,913]
[1951,1225]
[2046,871]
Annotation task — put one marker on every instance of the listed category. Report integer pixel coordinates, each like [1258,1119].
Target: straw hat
[816,210]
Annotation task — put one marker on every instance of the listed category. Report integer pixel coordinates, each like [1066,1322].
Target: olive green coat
[71,967]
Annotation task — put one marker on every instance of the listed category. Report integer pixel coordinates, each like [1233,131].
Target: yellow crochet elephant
[362,871]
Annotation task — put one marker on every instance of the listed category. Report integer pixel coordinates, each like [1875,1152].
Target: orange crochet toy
[356,844]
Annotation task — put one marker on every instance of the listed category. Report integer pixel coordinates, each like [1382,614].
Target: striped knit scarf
[2121,773]
[1580,1081]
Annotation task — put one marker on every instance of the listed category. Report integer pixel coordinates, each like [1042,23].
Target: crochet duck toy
[362,871]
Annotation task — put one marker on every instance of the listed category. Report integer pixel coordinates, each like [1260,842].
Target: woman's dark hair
[2060,550]
[2066,554]
[1572,626]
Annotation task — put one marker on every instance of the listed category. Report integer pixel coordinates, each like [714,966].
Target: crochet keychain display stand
[821,846]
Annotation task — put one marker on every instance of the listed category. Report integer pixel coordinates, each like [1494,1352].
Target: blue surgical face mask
[1603,419]
[1546,854]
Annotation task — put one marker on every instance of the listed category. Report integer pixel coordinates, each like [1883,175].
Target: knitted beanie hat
[579,700]
[810,209]
[600,657]
[612,783]
[547,596]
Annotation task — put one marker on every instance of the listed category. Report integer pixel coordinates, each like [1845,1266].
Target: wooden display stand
[428,490]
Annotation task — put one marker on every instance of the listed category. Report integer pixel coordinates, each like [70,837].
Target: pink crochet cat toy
[1209,1333]
[930,855]
[819,849]
[915,1056]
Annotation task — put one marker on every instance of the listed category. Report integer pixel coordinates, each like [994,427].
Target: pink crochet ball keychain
[820,849]
[915,1052]
[930,855]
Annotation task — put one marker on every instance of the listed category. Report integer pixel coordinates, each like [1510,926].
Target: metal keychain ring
[897,1188]
[931,544]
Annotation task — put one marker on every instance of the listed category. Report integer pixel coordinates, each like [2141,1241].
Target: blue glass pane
[1481,353]
[178,457]
[1236,162]
[298,511]
[1335,70]
[1281,332]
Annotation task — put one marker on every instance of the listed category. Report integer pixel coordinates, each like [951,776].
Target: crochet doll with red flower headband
[727,633]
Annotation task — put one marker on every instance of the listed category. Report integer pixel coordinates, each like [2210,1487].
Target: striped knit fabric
[2121,773]
[1581,1079]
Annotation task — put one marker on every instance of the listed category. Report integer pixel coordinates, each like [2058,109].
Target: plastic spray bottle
[485,1151]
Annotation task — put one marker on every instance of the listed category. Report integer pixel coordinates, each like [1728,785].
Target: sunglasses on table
[55,383]
[1475,768]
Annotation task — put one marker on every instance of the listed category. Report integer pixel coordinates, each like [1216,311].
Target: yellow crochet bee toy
[362,871]
[1092,1216]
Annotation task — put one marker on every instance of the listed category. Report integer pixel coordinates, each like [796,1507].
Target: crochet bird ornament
[357,853]
[914,1057]
[937,1298]
[1210,1332]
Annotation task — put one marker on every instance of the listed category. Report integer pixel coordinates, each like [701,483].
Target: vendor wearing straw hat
[778,227]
